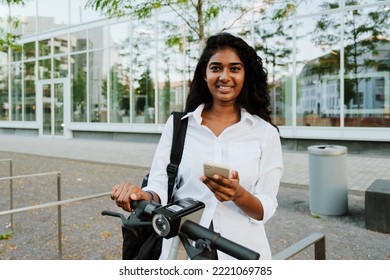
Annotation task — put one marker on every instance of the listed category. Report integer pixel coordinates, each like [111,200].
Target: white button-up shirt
[252,147]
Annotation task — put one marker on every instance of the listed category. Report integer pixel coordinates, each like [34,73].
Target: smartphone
[210,169]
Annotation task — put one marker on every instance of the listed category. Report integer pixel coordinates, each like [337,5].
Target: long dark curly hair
[254,96]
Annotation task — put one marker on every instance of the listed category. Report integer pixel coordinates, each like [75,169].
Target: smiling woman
[228,124]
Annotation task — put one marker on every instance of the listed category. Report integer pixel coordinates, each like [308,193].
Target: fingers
[224,189]
[124,193]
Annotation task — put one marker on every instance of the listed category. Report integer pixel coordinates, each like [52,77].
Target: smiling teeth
[225,88]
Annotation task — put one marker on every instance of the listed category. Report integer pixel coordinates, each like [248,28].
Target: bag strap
[178,138]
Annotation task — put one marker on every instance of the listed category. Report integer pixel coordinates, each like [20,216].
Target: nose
[224,75]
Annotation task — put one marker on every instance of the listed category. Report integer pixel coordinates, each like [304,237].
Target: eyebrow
[231,64]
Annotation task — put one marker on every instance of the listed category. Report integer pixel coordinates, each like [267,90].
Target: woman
[228,123]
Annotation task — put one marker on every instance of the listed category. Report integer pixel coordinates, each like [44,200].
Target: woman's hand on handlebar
[125,192]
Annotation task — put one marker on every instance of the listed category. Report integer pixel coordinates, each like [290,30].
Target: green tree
[196,14]
[7,38]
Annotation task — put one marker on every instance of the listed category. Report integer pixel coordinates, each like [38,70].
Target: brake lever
[141,216]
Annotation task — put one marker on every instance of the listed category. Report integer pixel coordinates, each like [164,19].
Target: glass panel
[309,7]
[120,34]
[60,44]
[59,109]
[367,68]
[16,55]
[44,69]
[120,85]
[98,37]
[79,87]
[318,85]
[78,41]
[172,76]
[29,50]
[143,84]
[273,43]
[47,109]
[16,92]
[98,68]
[171,92]
[4,102]
[60,67]
[44,47]
[29,91]
[52,15]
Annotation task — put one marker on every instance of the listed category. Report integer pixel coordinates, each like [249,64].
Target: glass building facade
[328,68]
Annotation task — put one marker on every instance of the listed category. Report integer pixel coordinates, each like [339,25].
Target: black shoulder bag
[144,243]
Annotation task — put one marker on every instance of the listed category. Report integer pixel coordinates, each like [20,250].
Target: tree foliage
[196,14]
[7,38]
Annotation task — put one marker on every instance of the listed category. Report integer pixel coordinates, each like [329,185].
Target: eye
[215,68]
[235,69]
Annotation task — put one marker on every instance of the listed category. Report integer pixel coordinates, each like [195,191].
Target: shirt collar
[197,115]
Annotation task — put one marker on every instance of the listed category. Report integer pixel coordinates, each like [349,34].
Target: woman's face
[225,74]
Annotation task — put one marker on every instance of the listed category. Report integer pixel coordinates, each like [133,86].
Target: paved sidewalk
[88,235]
[362,170]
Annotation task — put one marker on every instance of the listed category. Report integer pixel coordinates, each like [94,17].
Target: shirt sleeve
[158,178]
[271,170]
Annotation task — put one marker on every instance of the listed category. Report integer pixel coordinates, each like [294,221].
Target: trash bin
[328,180]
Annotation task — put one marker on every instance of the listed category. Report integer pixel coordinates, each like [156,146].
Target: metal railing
[11,222]
[318,239]
[52,204]
[11,178]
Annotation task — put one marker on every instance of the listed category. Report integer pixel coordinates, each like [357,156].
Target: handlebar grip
[195,231]
[134,204]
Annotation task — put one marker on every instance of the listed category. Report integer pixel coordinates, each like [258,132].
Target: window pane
[44,69]
[59,109]
[144,85]
[171,90]
[60,67]
[4,102]
[29,91]
[44,47]
[29,50]
[16,92]
[366,64]
[47,109]
[98,67]
[98,37]
[120,34]
[318,85]
[120,85]
[273,43]
[79,87]
[78,41]
[16,55]
[309,7]
[60,44]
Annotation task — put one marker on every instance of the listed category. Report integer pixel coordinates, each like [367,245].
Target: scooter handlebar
[195,231]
